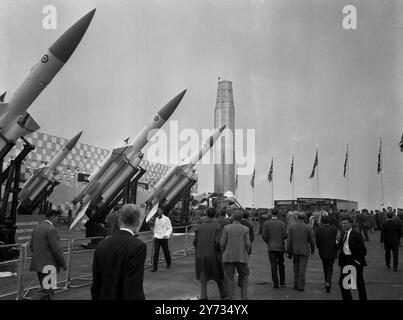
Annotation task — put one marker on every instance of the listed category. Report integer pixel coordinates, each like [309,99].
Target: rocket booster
[121,162]
[15,122]
[39,180]
[177,174]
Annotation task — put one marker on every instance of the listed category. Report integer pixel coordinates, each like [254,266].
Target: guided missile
[121,162]
[15,122]
[178,177]
[40,179]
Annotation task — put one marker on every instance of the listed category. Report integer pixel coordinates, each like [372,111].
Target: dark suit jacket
[246,223]
[391,232]
[300,238]
[357,248]
[118,268]
[326,241]
[274,233]
[45,247]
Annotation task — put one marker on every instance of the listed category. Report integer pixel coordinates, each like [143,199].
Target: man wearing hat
[300,240]
[391,233]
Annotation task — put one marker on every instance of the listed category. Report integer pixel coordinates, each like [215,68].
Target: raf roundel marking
[45,58]
[156,118]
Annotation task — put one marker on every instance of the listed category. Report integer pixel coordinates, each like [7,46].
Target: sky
[299,79]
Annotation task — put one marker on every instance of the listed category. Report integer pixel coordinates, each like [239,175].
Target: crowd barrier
[10,272]
[16,281]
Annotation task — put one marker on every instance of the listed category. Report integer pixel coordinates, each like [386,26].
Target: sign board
[25,226]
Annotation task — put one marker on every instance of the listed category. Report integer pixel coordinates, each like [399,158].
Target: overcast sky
[299,79]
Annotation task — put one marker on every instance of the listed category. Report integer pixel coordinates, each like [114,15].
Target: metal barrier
[22,282]
[10,273]
[31,277]
[84,271]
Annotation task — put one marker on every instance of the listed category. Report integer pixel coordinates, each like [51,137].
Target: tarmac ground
[179,282]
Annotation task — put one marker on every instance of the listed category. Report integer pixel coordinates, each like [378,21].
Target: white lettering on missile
[50,20]
[350,20]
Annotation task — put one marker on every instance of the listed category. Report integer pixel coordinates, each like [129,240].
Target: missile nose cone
[167,110]
[64,47]
[70,145]
[2,97]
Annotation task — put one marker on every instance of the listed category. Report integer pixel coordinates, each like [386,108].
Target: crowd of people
[223,243]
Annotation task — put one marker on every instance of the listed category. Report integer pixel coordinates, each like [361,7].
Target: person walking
[162,233]
[326,244]
[274,234]
[391,233]
[235,246]
[208,260]
[118,264]
[300,243]
[351,259]
[46,253]
[112,220]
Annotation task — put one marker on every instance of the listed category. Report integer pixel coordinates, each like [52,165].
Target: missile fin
[79,216]
[116,153]
[28,123]
[152,212]
[3,108]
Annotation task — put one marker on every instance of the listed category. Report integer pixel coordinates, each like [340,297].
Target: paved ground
[179,283]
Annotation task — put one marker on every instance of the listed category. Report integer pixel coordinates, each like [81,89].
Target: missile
[15,122]
[121,162]
[40,179]
[167,188]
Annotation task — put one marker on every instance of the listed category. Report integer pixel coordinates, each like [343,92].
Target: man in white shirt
[162,233]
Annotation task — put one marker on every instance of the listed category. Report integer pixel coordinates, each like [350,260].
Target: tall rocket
[224,151]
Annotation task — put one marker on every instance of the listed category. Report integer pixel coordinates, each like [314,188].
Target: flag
[270,175]
[401,144]
[236,178]
[380,156]
[345,164]
[292,169]
[252,181]
[315,164]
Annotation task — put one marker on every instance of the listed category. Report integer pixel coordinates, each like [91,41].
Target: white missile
[177,174]
[15,122]
[121,161]
[40,179]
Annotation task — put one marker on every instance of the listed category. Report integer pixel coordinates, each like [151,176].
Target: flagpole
[272,186]
[317,175]
[381,167]
[382,187]
[348,176]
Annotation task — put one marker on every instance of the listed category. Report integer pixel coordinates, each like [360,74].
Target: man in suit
[222,219]
[118,265]
[274,234]
[391,233]
[235,246]
[208,254]
[46,251]
[326,244]
[249,225]
[300,243]
[351,260]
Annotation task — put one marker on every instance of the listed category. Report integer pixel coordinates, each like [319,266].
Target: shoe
[153,270]
[301,289]
[328,289]
[275,286]
[388,266]
[395,269]
[168,266]
[283,284]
